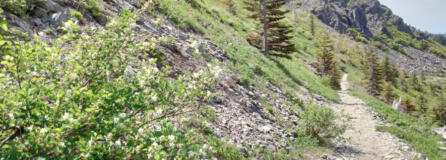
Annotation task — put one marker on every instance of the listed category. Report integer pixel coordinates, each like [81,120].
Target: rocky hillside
[179,79]
[371,22]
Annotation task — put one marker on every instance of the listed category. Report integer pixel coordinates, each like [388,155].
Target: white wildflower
[90,142]
[116,120]
[171,137]
[11,116]
[66,116]
[155,144]
[122,115]
[191,153]
[154,98]
[159,111]
[30,128]
[118,142]
[140,131]
[40,158]
[43,131]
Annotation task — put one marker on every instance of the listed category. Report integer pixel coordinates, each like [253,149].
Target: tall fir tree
[376,75]
[325,55]
[390,72]
[313,26]
[276,34]
[327,64]
[388,94]
[335,81]
[439,111]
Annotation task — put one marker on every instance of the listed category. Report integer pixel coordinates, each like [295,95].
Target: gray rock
[264,129]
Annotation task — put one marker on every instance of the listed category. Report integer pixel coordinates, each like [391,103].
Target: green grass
[229,33]
[419,135]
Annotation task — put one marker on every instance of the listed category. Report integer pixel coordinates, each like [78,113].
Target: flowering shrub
[96,94]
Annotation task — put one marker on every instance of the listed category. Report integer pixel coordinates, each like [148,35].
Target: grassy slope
[229,32]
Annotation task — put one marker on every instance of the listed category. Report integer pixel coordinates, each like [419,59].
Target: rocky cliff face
[368,17]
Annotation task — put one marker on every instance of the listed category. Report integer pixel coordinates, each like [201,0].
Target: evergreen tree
[404,82]
[327,64]
[439,111]
[325,55]
[390,72]
[313,27]
[422,103]
[416,83]
[388,94]
[335,81]
[376,75]
[276,35]
[408,106]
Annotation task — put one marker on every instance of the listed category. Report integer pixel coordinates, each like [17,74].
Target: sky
[426,15]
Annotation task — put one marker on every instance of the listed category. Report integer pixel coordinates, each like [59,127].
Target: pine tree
[422,103]
[325,55]
[390,72]
[439,111]
[313,27]
[276,35]
[416,83]
[376,75]
[327,64]
[408,106]
[335,81]
[388,94]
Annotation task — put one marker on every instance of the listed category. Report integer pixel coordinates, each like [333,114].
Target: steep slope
[234,102]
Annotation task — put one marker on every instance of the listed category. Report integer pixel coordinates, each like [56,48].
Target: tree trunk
[372,78]
[265,28]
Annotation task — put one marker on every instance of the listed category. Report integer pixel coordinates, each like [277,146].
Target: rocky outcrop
[368,17]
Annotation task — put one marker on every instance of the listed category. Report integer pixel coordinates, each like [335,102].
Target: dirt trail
[362,141]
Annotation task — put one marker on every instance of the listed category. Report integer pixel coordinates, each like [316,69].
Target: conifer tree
[313,27]
[376,75]
[408,106]
[439,111]
[416,83]
[335,81]
[388,94]
[327,64]
[422,103]
[390,72]
[325,55]
[276,35]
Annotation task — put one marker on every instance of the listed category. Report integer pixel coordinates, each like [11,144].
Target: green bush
[19,7]
[88,96]
[319,122]
[78,15]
